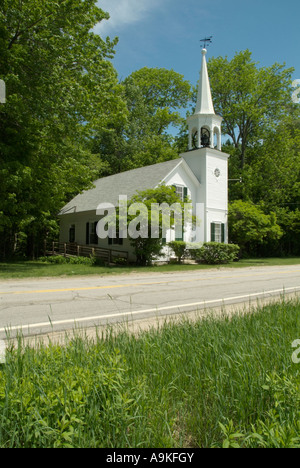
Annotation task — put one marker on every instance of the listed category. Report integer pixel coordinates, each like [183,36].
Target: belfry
[205,125]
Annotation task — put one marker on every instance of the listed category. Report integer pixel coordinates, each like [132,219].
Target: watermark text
[296,354]
[296,93]
[154,221]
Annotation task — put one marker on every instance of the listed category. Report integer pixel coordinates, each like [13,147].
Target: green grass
[215,383]
[35,269]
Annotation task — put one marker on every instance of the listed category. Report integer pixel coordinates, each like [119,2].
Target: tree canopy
[68,120]
[61,89]
[251,100]
[263,126]
[153,98]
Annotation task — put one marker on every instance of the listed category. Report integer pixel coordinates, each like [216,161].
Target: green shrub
[195,252]
[82,260]
[98,261]
[179,248]
[55,260]
[214,253]
[120,261]
[60,260]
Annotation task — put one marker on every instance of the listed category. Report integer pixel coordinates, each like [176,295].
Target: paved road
[43,305]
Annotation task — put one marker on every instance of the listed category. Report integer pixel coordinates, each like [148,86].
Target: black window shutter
[96,235]
[213,232]
[185,193]
[223,233]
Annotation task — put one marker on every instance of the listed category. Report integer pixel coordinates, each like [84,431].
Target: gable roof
[108,189]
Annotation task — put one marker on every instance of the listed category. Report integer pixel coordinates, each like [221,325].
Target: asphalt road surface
[36,306]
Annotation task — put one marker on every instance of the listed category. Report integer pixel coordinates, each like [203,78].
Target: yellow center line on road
[130,285]
[91,288]
[86,288]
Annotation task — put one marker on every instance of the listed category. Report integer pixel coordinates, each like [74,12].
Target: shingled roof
[108,189]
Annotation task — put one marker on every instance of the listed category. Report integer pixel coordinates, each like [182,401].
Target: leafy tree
[249,226]
[290,224]
[271,180]
[179,248]
[164,93]
[61,88]
[263,125]
[274,175]
[148,246]
[154,98]
[251,100]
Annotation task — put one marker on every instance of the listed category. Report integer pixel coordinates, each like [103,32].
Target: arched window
[205,137]
[217,138]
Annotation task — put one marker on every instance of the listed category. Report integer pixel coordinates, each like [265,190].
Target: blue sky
[166,33]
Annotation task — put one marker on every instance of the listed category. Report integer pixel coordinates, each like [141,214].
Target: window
[218,232]
[115,240]
[72,234]
[181,191]
[91,233]
[178,233]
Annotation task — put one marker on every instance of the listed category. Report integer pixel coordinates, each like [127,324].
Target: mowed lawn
[35,269]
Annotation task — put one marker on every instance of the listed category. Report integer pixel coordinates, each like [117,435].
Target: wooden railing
[76,250]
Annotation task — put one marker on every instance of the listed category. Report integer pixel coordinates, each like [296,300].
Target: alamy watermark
[296,354]
[154,221]
[2,351]
[296,93]
[2,92]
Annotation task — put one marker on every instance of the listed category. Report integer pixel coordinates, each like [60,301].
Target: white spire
[204,100]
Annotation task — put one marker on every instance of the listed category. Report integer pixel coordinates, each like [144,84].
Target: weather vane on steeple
[206,41]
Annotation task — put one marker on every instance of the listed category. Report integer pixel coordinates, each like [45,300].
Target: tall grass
[211,383]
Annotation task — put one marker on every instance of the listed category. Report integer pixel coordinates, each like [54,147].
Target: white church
[201,174]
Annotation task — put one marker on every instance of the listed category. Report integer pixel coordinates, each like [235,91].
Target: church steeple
[204,100]
[204,125]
